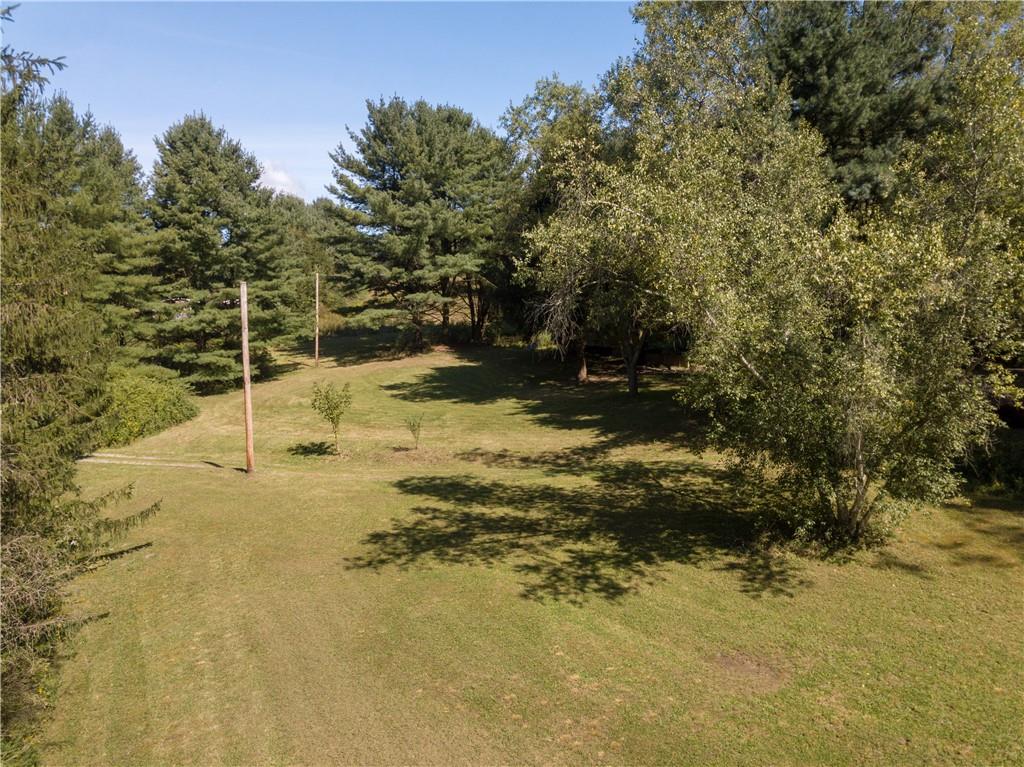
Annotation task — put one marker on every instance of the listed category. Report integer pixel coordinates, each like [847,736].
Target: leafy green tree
[332,403]
[600,264]
[421,193]
[548,130]
[602,254]
[669,80]
[541,129]
[213,230]
[849,361]
[852,361]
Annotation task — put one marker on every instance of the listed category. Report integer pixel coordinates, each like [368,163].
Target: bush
[144,403]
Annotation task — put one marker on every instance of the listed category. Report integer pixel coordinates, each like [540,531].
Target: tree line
[819,203]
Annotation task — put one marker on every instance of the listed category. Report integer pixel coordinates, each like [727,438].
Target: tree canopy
[422,189]
[213,229]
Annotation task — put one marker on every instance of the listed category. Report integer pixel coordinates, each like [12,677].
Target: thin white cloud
[277,178]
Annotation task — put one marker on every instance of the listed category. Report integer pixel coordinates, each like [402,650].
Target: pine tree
[108,211]
[54,353]
[301,233]
[867,76]
[53,388]
[213,229]
[421,191]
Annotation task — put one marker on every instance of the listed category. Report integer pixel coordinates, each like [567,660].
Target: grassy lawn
[551,577]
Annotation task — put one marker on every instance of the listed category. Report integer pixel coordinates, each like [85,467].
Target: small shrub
[415,424]
[332,403]
[143,403]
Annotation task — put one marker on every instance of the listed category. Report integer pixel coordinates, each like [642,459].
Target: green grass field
[552,577]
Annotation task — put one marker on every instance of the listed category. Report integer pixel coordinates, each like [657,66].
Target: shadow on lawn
[353,347]
[311,449]
[604,538]
[546,392]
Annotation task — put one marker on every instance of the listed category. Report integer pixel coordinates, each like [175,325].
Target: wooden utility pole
[316,336]
[250,455]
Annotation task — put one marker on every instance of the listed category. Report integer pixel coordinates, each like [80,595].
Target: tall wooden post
[316,336]
[250,455]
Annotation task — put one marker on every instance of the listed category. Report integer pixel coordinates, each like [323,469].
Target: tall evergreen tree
[212,231]
[422,191]
[867,76]
[302,237]
[109,212]
[53,388]
[54,352]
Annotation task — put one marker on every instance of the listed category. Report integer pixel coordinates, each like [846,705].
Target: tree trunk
[631,376]
[482,310]
[853,517]
[631,349]
[445,317]
[477,311]
[417,334]
[581,373]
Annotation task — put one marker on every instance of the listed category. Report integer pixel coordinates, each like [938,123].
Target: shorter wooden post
[316,334]
[250,455]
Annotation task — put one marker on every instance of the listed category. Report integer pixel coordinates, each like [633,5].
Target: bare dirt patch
[409,455]
[745,672]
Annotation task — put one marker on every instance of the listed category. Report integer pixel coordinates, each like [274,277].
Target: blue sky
[286,78]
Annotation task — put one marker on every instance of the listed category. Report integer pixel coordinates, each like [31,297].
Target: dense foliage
[600,268]
[867,76]
[142,402]
[855,360]
[213,230]
[55,358]
[421,193]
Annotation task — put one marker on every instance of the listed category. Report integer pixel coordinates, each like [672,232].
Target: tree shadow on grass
[605,537]
[311,449]
[111,555]
[545,391]
[274,371]
[353,347]
[889,560]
